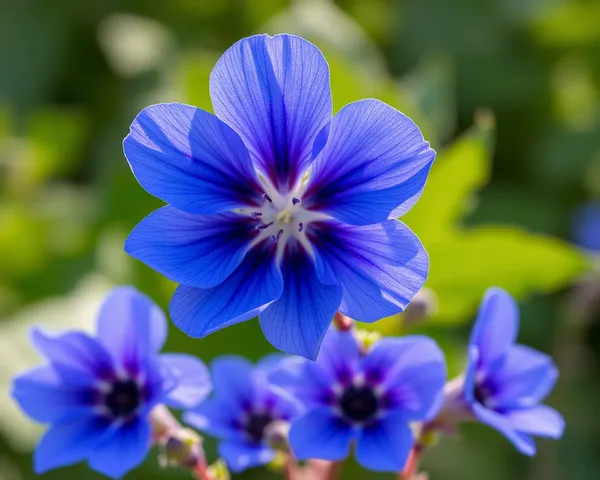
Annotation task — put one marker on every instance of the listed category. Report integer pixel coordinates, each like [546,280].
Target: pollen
[285,216]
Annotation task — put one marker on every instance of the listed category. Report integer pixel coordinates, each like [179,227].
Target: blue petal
[540,420]
[190,159]
[76,357]
[217,418]
[192,380]
[298,321]
[240,456]
[524,379]
[374,165]
[69,442]
[60,400]
[522,442]
[586,231]
[123,450]
[246,292]
[384,446]
[411,370]
[320,434]
[131,327]
[195,250]
[379,267]
[274,92]
[496,326]
[338,358]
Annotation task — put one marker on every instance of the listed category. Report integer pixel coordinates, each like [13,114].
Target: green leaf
[465,261]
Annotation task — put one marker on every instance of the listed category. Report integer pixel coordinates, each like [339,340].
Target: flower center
[255,426]
[123,398]
[482,394]
[359,403]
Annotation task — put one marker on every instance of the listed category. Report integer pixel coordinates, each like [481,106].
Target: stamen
[266,196]
[256,214]
[295,201]
[263,226]
[278,236]
[300,226]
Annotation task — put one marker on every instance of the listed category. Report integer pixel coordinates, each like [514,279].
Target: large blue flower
[367,398]
[275,208]
[97,393]
[505,383]
[244,407]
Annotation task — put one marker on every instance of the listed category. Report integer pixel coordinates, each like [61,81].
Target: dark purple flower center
[359,403]
[256,425]
[482,393]
[124,398]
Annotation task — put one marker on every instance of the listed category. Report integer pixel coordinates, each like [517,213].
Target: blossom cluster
[279,210]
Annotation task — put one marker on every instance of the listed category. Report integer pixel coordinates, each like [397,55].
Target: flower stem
[412,464]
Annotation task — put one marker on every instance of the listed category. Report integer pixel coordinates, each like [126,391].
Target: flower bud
[182,448]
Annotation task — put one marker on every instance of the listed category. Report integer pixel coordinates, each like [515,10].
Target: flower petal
[384,446]
[123,450]
[69,442]
[379,267]
[540,420]
[216,418]
[297,322]
[320,434]
[411,370]
[274,92]
[131,327]
[195,250]
[60,400]
[374,164]
[191,159]
[522,442]
[233,379]
[524,379]
[76,357]
[240,456]
[246,292]
[496,326]
[192,380]
[338,358]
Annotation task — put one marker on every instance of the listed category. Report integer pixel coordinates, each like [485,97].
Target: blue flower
[367,398]
[587,227]
[97,393]
[504,382]
[276,209]
[243,408]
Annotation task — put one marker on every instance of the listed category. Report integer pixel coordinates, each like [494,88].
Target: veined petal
[380,267]
[320,435]
[384,446]
[69,442]
[540,420]
[123,450]
[375,163]
[412,371]
[240,456]
[297,322]
[195,250]
[192,380]
[522,442]
[191,159]
[524,379]
[60,400]
[77,358]
[131,327]
[496,327]
[274,92]
[244,294]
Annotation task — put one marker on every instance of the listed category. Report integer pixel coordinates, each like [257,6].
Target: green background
[507,91]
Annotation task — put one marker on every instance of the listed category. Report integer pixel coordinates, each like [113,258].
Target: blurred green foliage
[507,91]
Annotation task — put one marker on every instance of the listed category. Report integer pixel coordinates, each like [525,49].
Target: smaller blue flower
[586,232]
[97,393]
[367,398]
[504,382]
[244,405]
